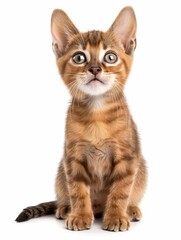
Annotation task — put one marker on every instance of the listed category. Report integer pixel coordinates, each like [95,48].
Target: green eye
[110,57]
[79,58]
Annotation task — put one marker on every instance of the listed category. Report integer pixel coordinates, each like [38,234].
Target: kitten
[102,171]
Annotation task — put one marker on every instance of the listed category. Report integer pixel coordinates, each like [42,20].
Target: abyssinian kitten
[102,171]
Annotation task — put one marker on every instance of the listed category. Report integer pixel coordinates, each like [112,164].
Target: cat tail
[39,210]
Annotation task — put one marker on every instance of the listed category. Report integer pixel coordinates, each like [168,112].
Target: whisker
[69,84]
[118,83]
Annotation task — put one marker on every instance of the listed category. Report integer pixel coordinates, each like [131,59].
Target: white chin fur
[95,88]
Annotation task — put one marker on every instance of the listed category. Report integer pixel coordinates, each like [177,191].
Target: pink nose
[95,70]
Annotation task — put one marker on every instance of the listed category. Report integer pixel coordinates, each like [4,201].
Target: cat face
[94,63]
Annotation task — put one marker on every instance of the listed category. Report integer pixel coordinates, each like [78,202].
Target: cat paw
[116,223]
[134,213]
[62,212]
[79,222]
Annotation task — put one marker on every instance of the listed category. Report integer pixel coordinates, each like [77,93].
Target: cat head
[94,63]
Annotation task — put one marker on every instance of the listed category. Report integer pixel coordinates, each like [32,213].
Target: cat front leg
[122,179]
[81,215]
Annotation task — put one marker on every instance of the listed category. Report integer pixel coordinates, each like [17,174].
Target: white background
[33,103]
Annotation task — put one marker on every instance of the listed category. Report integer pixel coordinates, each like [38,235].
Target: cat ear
[62,28]
[124,28]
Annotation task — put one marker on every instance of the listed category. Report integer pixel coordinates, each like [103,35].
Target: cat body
[102,171]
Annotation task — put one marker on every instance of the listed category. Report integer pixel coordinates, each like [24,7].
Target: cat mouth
[95,80]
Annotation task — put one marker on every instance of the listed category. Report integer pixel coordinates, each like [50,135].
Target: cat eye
[79,58]
[110,57]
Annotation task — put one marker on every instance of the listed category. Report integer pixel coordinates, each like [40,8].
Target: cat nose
[95,70]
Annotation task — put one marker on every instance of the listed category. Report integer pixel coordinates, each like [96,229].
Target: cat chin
[95,88]
[94,91]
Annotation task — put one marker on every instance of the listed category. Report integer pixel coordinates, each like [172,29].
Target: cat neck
[98,108]
[97,103]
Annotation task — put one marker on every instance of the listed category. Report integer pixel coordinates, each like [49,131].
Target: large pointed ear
[62,29]
[124,28]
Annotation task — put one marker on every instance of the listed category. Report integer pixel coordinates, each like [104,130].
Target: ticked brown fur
[102,170]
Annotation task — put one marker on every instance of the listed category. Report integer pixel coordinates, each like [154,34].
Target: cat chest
[96,132]
[99,161]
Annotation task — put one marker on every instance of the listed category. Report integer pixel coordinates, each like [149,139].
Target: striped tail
[37,211]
